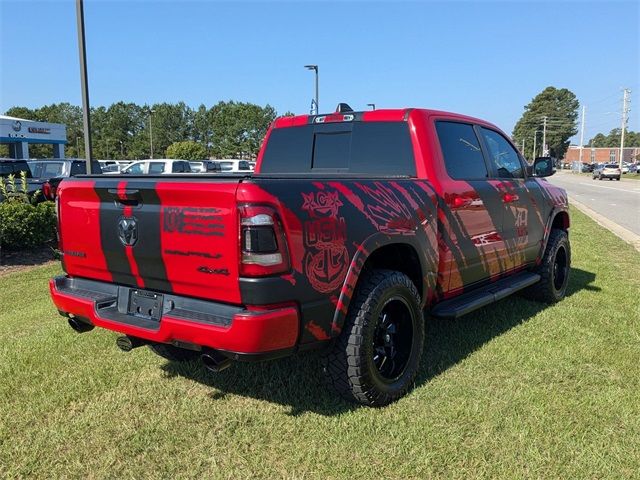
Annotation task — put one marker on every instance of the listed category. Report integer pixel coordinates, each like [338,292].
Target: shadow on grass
[297,381]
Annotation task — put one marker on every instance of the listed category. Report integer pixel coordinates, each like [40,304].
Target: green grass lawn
[515,390]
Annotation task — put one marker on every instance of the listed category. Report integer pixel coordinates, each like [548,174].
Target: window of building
[612,156]
[593,155]
[461,151]
[502,155]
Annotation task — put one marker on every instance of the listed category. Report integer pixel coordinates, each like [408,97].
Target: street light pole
[84,85]
[315,69]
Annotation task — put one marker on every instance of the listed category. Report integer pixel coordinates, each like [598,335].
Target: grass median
[517,389]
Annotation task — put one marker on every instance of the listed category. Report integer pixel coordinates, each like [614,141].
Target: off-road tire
[349,366]
[173,353]
[550,289]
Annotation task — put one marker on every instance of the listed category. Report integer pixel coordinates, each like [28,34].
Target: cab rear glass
[372,148]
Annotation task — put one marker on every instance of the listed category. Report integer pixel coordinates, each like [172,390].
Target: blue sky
[486,59]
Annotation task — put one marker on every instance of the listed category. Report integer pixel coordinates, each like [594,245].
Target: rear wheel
[375,359]
[554,270]
[174,354]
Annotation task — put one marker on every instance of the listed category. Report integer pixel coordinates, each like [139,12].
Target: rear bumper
[246,332]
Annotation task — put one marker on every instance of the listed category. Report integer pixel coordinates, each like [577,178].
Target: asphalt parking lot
[617,201]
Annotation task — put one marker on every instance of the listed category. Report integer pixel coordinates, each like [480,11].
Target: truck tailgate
[174,235]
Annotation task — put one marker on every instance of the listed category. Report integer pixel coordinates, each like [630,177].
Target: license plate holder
[145,304]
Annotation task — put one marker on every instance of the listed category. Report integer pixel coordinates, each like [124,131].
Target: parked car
[355,228]
[47,174]
[587,167]
[625,168]
[607,170]
[633,168]
[9,166]
[234,165]
[157,167]
[113,166]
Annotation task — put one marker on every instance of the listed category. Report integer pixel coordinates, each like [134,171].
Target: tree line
[124,130]
[560,108]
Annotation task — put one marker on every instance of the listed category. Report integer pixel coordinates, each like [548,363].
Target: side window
[502,155]
[186,167]
[461,151]
[156,168]
[135,169]
[78,168]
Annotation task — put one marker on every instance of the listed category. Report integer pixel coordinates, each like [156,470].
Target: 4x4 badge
[128,231]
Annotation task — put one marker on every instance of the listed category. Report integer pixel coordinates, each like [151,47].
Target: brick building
[602,154]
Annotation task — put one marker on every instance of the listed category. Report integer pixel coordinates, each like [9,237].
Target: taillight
[263,245]
[46,191]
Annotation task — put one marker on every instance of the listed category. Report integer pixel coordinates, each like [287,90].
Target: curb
[620,232]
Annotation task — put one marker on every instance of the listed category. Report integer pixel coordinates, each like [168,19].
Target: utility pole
[535,140]
[544,137]
[84,84]
[151,132]
[625,111]
[523,147]
[584,108]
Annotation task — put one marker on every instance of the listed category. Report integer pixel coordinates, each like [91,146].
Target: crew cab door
[520,200]
[470,210]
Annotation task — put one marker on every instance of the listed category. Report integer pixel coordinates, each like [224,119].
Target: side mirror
[543,167]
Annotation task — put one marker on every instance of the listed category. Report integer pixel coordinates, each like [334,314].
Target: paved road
[617,201]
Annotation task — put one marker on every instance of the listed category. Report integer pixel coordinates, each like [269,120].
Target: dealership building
[19,133]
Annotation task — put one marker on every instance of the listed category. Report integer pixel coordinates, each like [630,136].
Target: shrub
[23,225]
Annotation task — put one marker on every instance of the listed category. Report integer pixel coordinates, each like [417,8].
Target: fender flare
[555,211]
[363,252]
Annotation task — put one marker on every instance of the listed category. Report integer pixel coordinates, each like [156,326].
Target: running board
[483,296]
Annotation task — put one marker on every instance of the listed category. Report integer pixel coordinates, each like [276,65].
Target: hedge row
[25,226]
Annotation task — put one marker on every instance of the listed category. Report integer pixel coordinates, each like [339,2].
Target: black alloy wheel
[392,339]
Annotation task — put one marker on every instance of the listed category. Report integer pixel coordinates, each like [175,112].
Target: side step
[483,296]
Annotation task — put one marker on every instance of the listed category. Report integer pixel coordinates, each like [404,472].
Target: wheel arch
[401,253]
[558,219]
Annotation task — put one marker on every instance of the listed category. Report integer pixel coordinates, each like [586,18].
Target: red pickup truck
[354,228]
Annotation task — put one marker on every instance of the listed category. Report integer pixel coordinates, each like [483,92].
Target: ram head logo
[128,231]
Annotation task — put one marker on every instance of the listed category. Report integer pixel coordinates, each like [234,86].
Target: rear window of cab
[370,148]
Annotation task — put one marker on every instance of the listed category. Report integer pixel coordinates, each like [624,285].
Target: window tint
[461,151]
[244,165]
[226,166]
[135,169]
[156,168]
[373,148]
[331,150]
[52,169]
[502,155]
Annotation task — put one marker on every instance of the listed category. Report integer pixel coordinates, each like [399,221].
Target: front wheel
[375,359]
[553,270]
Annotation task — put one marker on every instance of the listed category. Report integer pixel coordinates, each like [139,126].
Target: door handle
[509,197]
[127,196]
[459,201]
